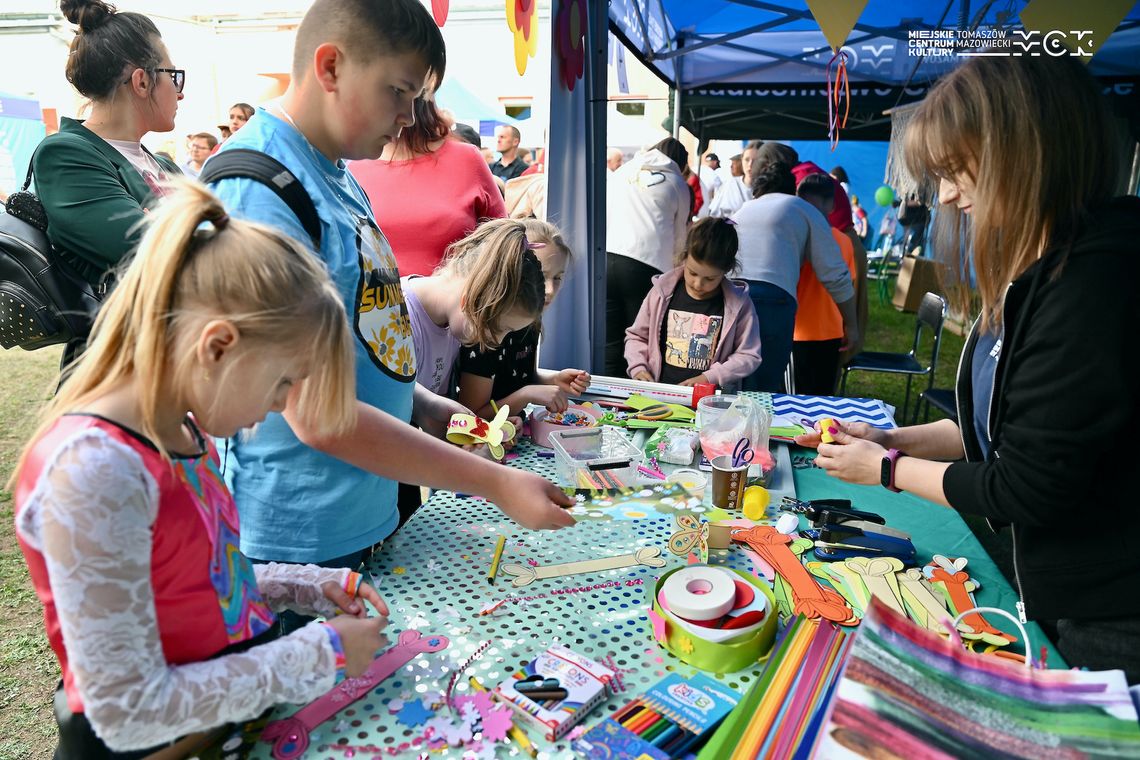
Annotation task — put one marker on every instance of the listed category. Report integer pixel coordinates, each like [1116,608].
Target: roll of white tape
[788,524]
[700,592]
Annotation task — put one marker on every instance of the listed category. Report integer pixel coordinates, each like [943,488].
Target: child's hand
[692,381]
[573,382]
[349,605]
[518,423]
[432,412]
[533,501]
[361,641]
[553,397]
[643,375]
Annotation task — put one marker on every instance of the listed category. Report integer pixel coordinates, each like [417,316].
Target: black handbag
[43,300]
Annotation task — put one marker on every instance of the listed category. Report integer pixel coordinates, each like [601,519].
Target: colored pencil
[495,559]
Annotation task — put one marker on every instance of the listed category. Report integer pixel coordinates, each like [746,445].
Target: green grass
[892,330]
[28,670]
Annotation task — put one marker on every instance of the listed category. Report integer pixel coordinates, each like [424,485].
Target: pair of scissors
[742,453]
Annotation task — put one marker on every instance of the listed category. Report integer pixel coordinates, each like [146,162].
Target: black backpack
[255,165]
[43,300]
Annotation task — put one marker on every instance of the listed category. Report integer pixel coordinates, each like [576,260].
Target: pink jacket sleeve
[637,348]
[745,357]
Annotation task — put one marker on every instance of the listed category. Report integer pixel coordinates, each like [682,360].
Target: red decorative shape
[439,10]
[570,40]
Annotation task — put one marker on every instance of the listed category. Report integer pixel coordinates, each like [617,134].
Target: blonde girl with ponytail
[162,627]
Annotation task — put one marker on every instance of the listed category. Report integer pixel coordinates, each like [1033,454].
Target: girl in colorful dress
[161,626]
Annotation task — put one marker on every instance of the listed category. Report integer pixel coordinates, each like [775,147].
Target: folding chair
[942,399]
[931,314]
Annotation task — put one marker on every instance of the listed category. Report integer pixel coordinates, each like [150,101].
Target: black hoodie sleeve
[1069,398]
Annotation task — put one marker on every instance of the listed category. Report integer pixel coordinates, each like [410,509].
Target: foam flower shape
[570,40]
[523,23]
[686,644]
[413,714]
[496,723]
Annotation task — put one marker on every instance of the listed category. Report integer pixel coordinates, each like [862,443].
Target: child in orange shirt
[819,326]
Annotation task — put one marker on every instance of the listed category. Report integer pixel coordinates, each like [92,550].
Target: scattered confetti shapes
[686,645]
[432,565]
[442,728]
[399,570]
[340,727]
[413,714]
[496,723]
[532,562]
[395,706]
[634,514]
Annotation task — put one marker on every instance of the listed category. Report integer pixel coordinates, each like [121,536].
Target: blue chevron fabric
[872,411]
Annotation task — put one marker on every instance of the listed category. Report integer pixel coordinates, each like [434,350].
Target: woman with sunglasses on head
[94,177]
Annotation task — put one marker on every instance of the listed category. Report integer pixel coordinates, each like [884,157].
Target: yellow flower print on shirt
[380,314]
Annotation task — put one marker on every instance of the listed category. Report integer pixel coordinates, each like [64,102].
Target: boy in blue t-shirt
[328,501]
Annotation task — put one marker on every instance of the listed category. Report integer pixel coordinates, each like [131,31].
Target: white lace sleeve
[298,587]
[91,515]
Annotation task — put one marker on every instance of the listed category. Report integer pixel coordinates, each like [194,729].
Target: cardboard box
[917,277]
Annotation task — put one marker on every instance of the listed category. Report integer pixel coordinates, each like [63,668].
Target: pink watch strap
[291,735]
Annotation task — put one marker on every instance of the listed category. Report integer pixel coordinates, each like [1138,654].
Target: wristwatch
[887,474]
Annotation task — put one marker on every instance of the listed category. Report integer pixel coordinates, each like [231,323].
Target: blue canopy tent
[756,68]
[470,109]
[21,129]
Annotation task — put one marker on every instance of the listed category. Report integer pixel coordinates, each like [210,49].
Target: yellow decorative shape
[1063,22]
[685,644]
[836,18]
[523,23]
[398,570]
[756,500]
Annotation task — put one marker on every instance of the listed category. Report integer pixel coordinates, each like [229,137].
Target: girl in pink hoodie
[696,325]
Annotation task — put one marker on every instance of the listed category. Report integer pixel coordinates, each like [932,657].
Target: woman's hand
[360,639]
[573,382]
[855,460]
[853,429]
[348,604]
[693,381]
[533,501]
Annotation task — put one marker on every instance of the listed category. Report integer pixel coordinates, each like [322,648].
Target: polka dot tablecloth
[433,574]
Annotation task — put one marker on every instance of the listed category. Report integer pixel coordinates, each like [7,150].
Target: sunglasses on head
[177,77]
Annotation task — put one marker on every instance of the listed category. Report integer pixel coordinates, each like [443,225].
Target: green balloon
[884,196]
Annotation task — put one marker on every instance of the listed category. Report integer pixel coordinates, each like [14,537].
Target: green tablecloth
[432,574]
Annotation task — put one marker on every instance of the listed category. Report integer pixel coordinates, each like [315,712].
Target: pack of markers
[670,720]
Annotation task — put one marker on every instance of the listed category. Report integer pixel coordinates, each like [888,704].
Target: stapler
[839,542]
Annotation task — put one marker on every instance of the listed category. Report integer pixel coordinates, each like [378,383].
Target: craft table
[433,573]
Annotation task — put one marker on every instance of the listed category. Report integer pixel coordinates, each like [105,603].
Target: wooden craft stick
[874,574]
[810,599]
[525,575]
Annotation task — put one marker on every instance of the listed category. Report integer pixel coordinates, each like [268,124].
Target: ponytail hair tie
[728,220]
[533,246]
[220,222]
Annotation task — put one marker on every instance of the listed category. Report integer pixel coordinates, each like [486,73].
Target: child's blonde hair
[183,276]
[501,275]
[545,233]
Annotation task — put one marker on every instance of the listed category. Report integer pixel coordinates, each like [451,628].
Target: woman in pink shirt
[428,189]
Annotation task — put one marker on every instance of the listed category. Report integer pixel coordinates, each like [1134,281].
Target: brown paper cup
[728,483]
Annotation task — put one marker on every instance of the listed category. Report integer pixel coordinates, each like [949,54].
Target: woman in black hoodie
[1047,398]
